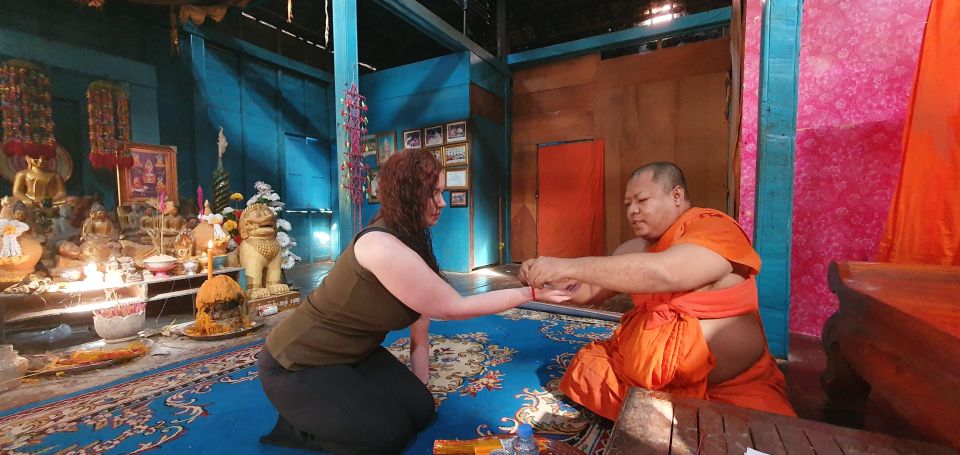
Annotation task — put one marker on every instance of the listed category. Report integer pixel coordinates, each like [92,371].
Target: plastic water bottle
[525,444]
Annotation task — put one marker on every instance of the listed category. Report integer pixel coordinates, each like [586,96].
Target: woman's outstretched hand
[550,295]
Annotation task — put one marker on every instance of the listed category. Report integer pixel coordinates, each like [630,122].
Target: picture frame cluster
[450,144]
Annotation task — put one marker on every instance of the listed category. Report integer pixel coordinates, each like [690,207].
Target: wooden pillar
[776,146]
[345,73]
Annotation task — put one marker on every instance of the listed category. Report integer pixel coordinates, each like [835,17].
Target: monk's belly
[737,343]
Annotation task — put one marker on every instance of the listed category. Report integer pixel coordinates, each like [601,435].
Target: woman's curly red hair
[406,183]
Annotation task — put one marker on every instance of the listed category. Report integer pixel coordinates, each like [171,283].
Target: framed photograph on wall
[458,199]
[458,179]
[369,145]
[457,131]
[456,155]
[154,169]
[412,139]
[386,146]
[433,136]
[373,186]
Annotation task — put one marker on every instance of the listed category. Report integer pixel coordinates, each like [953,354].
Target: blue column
[345,72]
[776,146]
[195,48]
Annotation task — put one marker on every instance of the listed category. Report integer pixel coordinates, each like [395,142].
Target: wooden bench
[658,423]
[895,340]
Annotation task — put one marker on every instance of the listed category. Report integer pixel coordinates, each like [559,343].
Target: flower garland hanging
[108,116]
[354,178]
[27,114]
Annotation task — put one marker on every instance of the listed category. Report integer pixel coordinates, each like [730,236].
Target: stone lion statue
[259,252]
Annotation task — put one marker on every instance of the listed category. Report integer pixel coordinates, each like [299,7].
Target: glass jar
[12,367]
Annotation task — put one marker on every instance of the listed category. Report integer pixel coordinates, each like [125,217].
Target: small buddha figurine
[97,226]
[6,207]
[69,257]
[98,236]
[172,221]
[62,229]
[170,224]
[35,184]
[147,225]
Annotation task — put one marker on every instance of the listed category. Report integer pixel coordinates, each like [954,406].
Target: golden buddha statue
[98,236]
[35,184]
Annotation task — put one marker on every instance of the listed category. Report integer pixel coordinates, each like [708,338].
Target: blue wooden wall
[174,100]
[258,104]
[77,46]
[433,92]
[418,95]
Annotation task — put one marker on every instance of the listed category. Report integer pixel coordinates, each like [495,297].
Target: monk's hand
[545,269]
[524,270]
[550,295]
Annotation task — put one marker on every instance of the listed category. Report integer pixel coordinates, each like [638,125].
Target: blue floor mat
[487,374]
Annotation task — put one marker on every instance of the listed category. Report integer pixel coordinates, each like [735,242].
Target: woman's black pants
[375,406]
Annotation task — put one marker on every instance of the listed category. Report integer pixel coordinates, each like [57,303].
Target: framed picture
[456,155]
[458,199]
[438,152]
[369,145]
[373,186]
[386,146]
[458,179]
[433,136]
[412,139]
[456,132]
[154,169]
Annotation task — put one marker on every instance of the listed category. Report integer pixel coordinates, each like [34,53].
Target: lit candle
[209,259]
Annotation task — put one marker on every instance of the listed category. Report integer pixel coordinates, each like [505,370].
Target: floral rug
[487,375]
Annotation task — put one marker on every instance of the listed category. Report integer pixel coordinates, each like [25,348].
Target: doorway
[570,199]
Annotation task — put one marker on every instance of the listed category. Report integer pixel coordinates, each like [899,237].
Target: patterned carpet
[488,374]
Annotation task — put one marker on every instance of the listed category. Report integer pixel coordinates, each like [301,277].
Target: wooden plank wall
[668,105]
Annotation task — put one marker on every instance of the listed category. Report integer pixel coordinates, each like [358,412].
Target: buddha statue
[62,229]
[35,184]
[98,236]
[97,226]
[172,221]
[69,257]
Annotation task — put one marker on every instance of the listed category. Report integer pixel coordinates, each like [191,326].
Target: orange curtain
[570,209]
[924,221]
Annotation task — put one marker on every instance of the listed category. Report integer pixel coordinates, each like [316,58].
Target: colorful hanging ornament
[354,115]
[108,117]
[27,113]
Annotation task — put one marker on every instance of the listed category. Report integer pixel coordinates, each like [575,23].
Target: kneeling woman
[323,368]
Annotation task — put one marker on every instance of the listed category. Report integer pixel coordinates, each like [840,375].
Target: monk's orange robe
[659,344]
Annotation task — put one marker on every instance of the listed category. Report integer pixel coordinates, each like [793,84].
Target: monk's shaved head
[666,174]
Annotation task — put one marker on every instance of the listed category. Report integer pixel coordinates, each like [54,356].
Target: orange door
[570,206]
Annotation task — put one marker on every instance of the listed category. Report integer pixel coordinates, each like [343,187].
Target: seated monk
[695,330]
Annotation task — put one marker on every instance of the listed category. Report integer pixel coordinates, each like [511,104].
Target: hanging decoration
[354,115]
[27,114]
[108,117]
